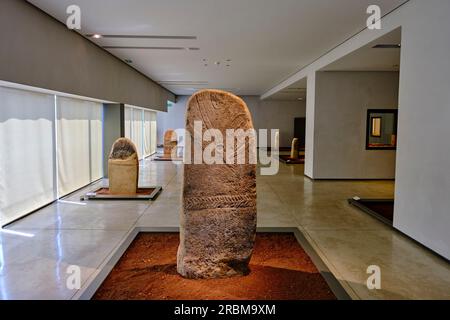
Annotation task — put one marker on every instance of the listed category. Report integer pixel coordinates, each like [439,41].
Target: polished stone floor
[34,259]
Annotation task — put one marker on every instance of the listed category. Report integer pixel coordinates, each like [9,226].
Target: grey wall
[113,129]
[422,206]
[266,114]
[271,114]
[39,51]
[174,118]
[341,103]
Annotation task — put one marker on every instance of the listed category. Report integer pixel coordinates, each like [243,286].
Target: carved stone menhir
[218,219]
[295,149]
[170,143]
[123,167]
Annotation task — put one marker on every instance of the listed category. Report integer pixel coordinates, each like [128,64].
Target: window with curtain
[140,127]
[153,133]
[79,143]
[149,132]
[27,152]
[49,147]
[138,131]
[128,121]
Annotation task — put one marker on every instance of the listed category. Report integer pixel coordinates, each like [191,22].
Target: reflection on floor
[33,263]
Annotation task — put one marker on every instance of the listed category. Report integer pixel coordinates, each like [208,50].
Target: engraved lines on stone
[216,202]
[204,108]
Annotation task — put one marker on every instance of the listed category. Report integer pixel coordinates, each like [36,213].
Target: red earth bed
[280,270]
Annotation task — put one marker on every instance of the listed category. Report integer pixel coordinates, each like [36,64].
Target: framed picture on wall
[381,132]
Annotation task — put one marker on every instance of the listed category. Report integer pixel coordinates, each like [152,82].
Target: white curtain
[153,133]
[80,143]
[27,161]
[128,121]
[140,127]
[147,133]
[96,140]
[138,130]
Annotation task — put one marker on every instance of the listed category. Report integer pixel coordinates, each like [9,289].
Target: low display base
[280,269]
[381,209]
[144,193]
[288,160]
[162,158]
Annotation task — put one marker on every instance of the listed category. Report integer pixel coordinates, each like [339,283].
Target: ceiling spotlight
[228,65]
[96,36]
[228,60]
[217,63]
[205,64]
[204,60]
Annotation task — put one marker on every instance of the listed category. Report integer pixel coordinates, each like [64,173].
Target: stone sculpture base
[123,168]
[123,176]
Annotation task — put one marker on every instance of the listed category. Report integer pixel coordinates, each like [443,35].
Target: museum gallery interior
[224,150]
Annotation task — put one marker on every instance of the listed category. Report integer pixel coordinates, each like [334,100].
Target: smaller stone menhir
[123,168]
[170,143]
[295,150]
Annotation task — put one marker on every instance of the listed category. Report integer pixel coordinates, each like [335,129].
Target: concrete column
[310,116]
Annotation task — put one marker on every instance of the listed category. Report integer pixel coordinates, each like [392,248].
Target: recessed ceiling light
[96,36]
[205,64]
[134,36]
[228,60]
[228,65]
[217,63]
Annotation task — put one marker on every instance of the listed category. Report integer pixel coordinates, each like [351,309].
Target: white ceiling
[369,58]
[297,91]
[366,58]
[266,40]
